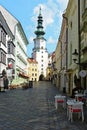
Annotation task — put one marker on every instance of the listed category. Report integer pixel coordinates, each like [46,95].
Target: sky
[27,11]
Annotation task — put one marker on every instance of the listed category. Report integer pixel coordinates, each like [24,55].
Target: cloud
[51,40]
[63,3]
[52,12]
[47,14]
[31,39]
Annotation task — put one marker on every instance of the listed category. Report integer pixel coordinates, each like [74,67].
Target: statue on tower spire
[40,11]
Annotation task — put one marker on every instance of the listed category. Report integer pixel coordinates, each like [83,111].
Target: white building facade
[6,36]
[20,43]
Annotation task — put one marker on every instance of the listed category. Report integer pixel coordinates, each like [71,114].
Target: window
[70,54]
[35,74]
[8,48]
[3,36]
[71,24]
[32,74]
[2,57]
[32,69]
[11,48]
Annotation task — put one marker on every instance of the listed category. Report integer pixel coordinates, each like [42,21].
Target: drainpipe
[79,46]
[66,40]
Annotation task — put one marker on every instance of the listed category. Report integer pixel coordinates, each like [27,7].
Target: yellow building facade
[33,69]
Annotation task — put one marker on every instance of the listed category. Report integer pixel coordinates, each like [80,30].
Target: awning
[23,75]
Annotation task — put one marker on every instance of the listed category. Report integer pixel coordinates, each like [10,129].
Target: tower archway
[41,77]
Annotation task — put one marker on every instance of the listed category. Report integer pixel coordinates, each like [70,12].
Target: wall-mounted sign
[10,65]
[82,73]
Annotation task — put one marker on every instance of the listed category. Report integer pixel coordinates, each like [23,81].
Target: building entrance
[41,77]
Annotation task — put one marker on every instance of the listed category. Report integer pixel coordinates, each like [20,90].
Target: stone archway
[41,77]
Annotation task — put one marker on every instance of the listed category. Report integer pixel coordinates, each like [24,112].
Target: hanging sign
[82,73]
[10,65]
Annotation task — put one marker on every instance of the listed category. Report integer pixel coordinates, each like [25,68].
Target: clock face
[82,73]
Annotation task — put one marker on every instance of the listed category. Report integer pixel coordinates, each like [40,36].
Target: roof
[5,26]
[10,19]
[23,75]
[22,33]
[13,22]
[31,60]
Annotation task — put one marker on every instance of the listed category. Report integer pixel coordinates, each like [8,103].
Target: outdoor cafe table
[74,106]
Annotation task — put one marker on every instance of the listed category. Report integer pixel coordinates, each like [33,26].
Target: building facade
[18,56]
[73,54]
[33,69]
[49,73]
[58,59]
[73,39]
[61,56]
[83,42]
[6,37]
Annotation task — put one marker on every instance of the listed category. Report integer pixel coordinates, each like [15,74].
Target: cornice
[20,29]
[70,3]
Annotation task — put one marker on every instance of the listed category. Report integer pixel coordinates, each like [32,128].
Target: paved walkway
[33,109]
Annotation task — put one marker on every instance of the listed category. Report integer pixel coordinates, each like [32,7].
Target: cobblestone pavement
[33,109]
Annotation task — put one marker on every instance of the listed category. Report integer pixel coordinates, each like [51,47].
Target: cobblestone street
[33,109]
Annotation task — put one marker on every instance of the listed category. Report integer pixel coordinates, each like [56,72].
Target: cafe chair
[60,100]
[76,108]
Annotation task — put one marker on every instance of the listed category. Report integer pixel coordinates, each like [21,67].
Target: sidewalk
[33,109]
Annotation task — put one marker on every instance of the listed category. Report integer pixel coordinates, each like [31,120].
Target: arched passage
[41,77]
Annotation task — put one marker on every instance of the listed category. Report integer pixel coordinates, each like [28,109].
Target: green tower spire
[39,32]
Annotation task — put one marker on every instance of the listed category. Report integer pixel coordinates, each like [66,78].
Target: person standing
[78,88]
[6,82]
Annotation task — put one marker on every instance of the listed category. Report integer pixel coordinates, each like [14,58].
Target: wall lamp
[75,57]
